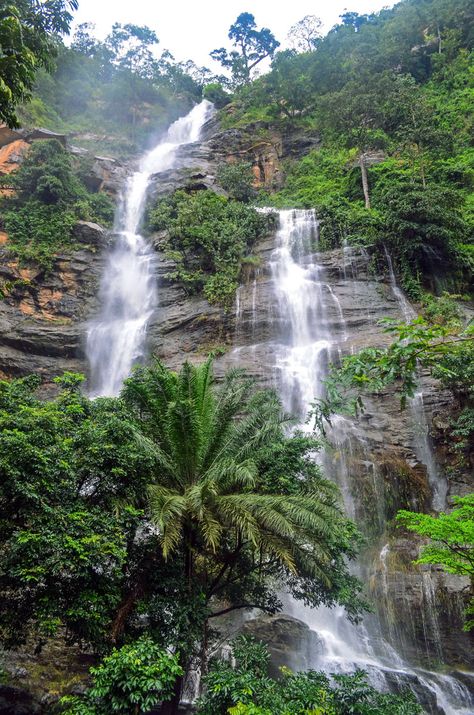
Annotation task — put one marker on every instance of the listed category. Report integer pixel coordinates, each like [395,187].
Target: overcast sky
[190,29]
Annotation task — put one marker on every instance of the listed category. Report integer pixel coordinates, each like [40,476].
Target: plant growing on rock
[208,236]
[451,541]
[48,199]
[237,178]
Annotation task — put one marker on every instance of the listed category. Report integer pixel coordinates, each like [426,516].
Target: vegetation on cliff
[209,238]
[128,525]
[392,95]
[243,687]
[120,86]
[48,197]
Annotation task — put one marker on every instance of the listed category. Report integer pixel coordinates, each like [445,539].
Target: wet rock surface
[291,643]
[15,701]
[43,313]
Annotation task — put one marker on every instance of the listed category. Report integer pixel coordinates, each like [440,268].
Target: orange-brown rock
[11,155]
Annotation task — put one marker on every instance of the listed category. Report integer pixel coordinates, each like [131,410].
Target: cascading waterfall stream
[128,292]
[312,325]
[422,441]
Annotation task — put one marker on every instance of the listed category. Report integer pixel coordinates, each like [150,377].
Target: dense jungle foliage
[115,96]
[182,500]
[392,95]
[209,238]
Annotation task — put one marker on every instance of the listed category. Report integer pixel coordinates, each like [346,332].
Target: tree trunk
[204,656]
[171,707]
[124,611]
[365,180]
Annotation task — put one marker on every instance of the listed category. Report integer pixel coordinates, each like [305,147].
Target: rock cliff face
[43,313]
[43,318]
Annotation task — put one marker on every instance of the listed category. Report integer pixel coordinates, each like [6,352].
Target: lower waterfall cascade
[308,331]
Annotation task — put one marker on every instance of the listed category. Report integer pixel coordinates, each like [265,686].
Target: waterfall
[128,291]
[311,329]
[423,446]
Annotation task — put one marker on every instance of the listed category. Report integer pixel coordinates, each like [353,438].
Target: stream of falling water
[302,352]
[128,294]
[422,440]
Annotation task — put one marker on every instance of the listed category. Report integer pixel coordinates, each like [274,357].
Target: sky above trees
[190,30]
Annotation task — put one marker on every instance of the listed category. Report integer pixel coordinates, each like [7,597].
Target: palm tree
[209,501]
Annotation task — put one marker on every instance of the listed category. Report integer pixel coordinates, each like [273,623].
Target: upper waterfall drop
[128,293]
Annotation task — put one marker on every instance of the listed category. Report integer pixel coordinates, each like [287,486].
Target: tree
[131,48]
[70,470]
[237,179]
[416,123]
[354,20]
[253,47]
[304,35]
[356,113]
[210,503]
[452,540]
[216,94]
[424,223]
[288,85]
[27,42]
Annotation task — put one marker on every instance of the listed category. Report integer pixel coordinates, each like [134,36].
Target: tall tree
[211,502]
[131,47]
[252,45]
[27,42]
[304,35]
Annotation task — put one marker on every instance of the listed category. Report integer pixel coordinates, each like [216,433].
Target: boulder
[89,233]
[291,643]
[16,701]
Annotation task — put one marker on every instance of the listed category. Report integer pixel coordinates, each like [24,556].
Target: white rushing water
[422,443]
[128,292]
[312,327]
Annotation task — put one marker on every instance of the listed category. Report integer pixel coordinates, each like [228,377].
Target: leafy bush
[423,225]
[443,310]
[216,94]
[451,539]
[320,175]
[131,680]
[49,198]
[237,178]
[208,236]
[246,689]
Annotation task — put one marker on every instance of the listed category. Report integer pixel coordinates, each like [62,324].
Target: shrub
[129,681]
[208,237]
[246,689]
[237,179]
